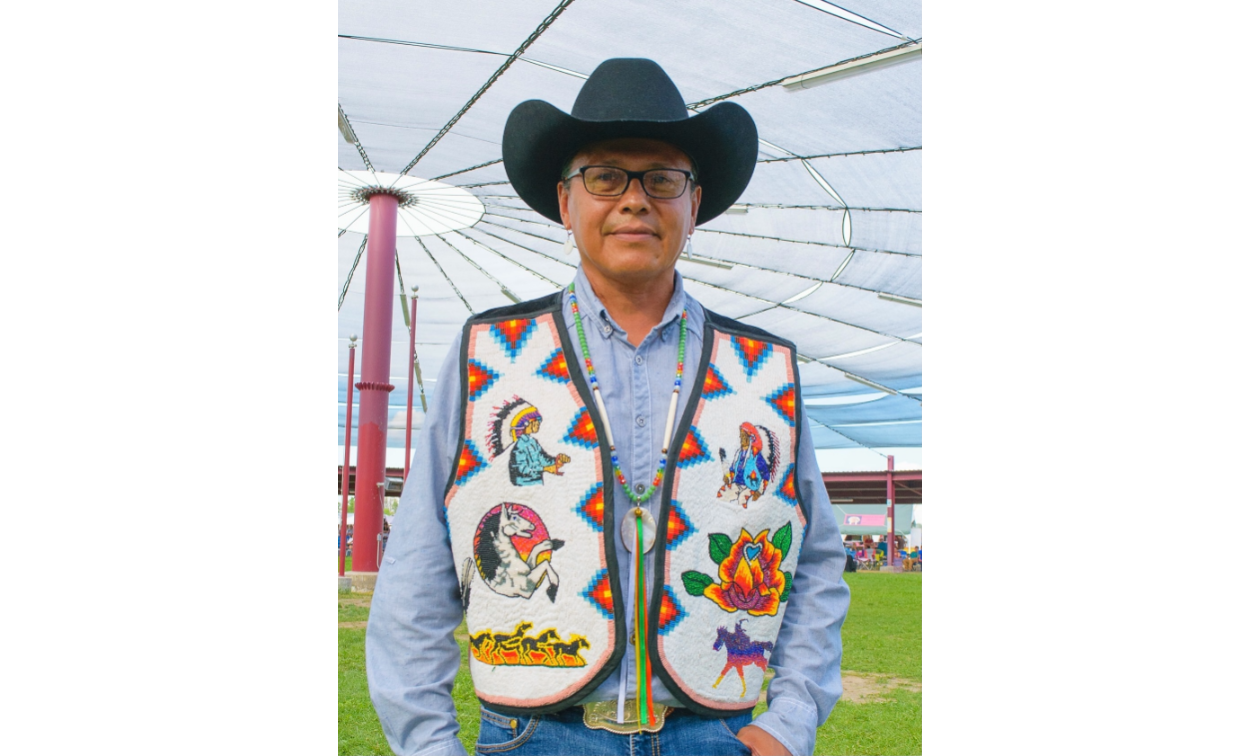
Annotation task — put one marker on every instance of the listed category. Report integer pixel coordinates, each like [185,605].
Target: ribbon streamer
[644,664]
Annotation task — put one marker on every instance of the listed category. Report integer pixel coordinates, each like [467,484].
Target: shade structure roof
[872,519]
[872,487]
[823,248]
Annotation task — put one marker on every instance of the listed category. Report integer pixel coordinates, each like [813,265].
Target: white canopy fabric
[823,248]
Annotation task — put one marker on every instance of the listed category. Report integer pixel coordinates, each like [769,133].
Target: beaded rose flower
[749,574]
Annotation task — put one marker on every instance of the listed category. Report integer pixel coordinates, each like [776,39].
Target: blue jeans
[684,734]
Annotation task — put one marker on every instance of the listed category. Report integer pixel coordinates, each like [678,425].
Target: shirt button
[638,359]
[640,421]
[607,330]
[638,488]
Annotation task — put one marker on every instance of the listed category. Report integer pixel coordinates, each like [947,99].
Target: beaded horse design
[501,565]
[518,649]
[740,652]
[488,646]
[571,650]
[540,645]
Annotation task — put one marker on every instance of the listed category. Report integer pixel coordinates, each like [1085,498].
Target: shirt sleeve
[411,652]
[806,657]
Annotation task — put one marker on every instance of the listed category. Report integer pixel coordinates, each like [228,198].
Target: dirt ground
[864,689]
[351,599]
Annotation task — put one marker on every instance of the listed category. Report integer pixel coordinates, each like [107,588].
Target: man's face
[633,238]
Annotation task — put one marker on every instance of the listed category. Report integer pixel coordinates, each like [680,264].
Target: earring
[568,243]
[688,249]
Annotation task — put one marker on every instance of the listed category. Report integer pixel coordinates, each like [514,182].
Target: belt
[602,715]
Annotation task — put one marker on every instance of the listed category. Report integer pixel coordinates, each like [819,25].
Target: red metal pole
[411,381]
[893,556]
[378,310]
[345,467]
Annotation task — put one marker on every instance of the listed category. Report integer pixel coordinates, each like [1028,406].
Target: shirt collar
[595,312]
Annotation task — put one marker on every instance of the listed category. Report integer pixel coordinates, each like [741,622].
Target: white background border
[1089,167]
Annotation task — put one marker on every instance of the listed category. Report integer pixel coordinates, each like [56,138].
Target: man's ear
[562,195]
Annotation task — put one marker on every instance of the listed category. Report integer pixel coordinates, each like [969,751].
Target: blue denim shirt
[412,656]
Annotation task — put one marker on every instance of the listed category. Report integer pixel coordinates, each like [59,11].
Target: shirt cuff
[448,747]
[791,724]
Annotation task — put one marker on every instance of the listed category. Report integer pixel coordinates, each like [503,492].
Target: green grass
[467,707]
[891,727]
[351,613]
[882,636]
[884,630]
[358,729]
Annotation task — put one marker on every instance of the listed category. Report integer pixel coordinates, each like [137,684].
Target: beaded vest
[535,547]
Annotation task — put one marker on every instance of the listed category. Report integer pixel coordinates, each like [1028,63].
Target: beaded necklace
[603,413]
[643,671]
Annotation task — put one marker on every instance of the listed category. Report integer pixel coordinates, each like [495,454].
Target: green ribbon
[640,618]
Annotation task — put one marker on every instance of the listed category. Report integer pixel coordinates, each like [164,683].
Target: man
[749,473]
[654,597]
[528,459]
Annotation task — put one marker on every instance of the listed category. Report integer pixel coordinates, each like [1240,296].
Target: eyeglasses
[609,181]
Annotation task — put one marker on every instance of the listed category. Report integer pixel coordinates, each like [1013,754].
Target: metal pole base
[361,582]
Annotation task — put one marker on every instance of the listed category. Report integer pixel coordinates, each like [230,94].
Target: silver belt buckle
[602,715]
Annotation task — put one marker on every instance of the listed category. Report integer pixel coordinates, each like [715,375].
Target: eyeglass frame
[630,177]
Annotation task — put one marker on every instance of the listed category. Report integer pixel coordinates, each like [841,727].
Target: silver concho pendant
[628,530]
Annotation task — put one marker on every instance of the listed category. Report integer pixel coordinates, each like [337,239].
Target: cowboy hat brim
[539,137]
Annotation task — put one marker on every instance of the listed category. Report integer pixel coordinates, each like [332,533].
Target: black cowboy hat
[629,97]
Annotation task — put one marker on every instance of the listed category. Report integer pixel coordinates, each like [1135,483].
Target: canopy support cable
[353,266]
[854,18]
[466,170]
[502,287]
[839,154]
[517,230]
[767,206]
[522,266]
[817,244]
[454,288]
[774,305]
[754,88]
[450,48]
[347,131]
[850,438]
[551,17]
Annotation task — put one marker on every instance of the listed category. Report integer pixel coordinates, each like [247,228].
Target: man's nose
[634,196]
